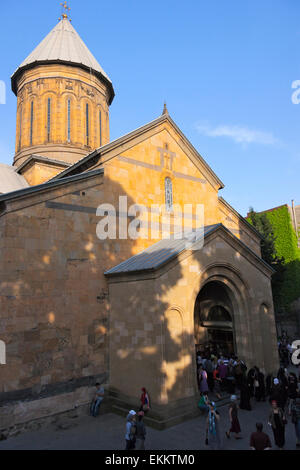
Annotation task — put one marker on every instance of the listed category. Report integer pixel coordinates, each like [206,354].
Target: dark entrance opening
[220,342]
[214,329]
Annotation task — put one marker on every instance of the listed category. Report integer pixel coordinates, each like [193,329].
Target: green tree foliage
[270,254]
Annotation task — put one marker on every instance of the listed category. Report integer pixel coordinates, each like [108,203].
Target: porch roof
[161,252]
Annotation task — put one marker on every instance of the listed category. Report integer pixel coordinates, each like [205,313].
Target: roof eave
[214,229]
[194,150]
[110,273]
[41,159]
[115,143]
[15,76]
[50,184]
[254,230]
[261,260]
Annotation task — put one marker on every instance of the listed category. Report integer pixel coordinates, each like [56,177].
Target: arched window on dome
[87,122]
[69,120]
[168,194]
[20,127]
[48,119]
[31,122]
[100,128]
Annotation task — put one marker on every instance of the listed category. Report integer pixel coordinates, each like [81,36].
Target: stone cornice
[61,77]
[15,77]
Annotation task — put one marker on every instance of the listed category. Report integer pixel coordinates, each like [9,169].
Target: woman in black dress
[245,395]
[233,416]
[292,386]
[259,385]
[278,394]
[283,379]
[250,379]
[278,421]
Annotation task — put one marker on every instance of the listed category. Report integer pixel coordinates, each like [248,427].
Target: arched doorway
[214,320]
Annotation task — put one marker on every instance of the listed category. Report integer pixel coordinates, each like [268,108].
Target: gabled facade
[69,316]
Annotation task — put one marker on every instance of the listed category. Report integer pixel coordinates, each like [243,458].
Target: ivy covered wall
[285,243]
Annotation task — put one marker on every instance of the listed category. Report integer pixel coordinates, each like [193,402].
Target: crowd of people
[220,376]
[135,433]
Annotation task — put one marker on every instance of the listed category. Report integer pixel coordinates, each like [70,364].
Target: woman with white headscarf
[130,437]
[277,393]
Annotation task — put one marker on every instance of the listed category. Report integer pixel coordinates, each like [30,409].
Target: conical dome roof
[63,44]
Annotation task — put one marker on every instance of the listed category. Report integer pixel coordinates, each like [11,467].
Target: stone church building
[130,312]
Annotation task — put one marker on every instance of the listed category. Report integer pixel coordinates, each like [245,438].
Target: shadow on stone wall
[54,302]
[55,305]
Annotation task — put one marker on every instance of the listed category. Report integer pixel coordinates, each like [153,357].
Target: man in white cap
[130,430]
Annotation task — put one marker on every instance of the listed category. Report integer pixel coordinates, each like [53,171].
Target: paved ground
[106,432]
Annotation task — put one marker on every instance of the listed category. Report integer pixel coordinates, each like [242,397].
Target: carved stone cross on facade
[166,157]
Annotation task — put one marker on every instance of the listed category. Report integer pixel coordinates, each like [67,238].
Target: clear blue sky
[225,69]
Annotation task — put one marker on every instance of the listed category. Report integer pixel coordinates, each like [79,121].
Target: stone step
[155,422]
[224,400]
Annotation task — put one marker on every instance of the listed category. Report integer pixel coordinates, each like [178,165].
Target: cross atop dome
[65,11]
[62,81]
[63,45]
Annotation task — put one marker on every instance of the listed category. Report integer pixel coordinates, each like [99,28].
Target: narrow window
[31,123]
[168,194]
[69,120]
[100,128]
[87,123]
[20,129]
[49,119]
